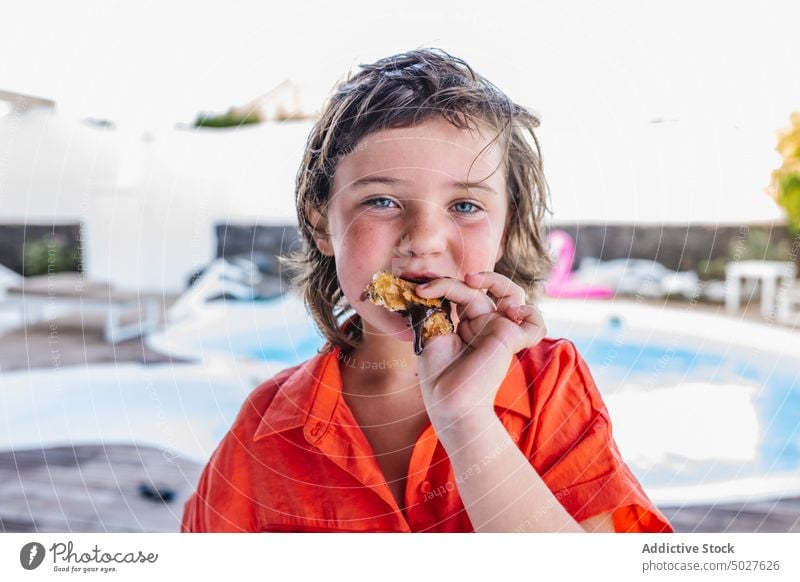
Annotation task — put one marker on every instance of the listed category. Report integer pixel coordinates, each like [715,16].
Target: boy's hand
[460,373]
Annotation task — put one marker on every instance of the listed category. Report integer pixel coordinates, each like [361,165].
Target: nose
[425,232]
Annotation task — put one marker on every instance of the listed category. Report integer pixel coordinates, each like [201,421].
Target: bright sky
[151,64]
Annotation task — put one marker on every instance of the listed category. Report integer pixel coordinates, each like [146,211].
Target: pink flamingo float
[559,284]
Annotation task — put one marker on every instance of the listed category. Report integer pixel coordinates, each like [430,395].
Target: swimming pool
[704,407]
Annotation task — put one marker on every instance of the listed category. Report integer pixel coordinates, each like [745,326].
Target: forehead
[432,150]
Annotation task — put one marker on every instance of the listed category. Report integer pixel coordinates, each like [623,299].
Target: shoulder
[549,351]
[560,383]
[223,498]
[570,443]
[260,399]
[552,363]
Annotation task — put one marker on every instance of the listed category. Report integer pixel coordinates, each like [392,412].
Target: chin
[391,324]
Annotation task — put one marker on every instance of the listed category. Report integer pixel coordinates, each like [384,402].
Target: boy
[421,168]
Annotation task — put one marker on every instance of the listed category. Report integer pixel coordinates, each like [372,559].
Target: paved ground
[94,489]
[70,341]
[115,489]
[772,515]
[33,347]
[750,310]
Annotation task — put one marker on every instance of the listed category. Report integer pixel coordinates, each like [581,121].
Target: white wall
[50,167]
[148,202]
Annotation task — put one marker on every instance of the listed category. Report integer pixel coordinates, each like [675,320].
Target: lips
[419,276]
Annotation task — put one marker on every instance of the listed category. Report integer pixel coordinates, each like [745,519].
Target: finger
[469,301]
[496,332]
[501,287]
[472,329]
[439,353]
[530,321]
[517,313]
[499,331]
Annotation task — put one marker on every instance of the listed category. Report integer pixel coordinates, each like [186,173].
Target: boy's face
[399,203]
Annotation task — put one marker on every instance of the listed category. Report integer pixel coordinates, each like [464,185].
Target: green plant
[47,255]
[785,184]
[229,119]
[757,245]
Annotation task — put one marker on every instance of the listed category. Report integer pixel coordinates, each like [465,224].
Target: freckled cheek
[354,275]
[361,242]
[479,248]
[359,256]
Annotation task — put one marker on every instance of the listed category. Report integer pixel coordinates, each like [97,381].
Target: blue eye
[384,203]
[466,207]
[379,202]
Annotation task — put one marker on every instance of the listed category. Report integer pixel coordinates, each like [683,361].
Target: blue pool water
[775,381]
[292,352]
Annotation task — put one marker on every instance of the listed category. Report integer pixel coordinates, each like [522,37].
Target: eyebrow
[388,181]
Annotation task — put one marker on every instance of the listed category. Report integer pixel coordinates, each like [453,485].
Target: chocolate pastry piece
[429,317]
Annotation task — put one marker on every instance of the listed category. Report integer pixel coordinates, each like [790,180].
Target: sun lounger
[70,292]
[221,278]
[641,277]
[8,278]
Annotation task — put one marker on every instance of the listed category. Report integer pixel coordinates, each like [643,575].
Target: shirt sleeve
[225,497]
[574,451]
[223,500]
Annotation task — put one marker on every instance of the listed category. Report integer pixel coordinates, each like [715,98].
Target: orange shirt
[296,460]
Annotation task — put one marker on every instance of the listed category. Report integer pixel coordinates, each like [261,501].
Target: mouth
[415,277]
[419,277]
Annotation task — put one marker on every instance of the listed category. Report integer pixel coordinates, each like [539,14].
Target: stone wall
[681,247]
[261,244]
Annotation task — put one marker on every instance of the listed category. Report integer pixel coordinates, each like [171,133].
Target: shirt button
[425,487]
[315,429]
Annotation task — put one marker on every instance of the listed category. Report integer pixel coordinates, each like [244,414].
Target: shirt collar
[311,393]
[307,397]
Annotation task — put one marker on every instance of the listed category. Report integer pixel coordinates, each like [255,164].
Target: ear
[321,237]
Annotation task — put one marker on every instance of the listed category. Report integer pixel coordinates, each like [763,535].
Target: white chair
[769,273]
[44,297]
[788,309]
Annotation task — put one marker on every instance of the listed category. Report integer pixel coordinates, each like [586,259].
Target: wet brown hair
[402,91]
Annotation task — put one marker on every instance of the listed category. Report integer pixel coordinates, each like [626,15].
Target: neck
[380,365]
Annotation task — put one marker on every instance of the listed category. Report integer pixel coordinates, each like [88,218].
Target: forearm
[500,489]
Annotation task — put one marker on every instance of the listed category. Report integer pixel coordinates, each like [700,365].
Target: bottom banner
[349,557]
